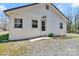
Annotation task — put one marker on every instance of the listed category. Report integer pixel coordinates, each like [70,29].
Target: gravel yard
[48,47]
[53,47]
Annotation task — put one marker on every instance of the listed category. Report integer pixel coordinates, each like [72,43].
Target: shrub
[4,38]
[51,35]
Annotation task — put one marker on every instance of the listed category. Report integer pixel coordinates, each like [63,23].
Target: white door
[43,27]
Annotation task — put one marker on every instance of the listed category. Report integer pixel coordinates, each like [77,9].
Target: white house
[34,20]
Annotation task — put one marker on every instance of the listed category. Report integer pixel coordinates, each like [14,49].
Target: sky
[5,6]
[61,6]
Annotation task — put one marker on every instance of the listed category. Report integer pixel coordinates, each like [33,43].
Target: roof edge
[20,7]
[31,5]
[59,11]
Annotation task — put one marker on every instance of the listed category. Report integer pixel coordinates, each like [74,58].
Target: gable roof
[32,5]
[20,7]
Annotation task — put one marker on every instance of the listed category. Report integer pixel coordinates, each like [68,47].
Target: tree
[76,20]
[4,23]
[70,17]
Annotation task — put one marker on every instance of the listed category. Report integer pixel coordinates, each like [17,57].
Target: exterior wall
[53,24]
[35,13]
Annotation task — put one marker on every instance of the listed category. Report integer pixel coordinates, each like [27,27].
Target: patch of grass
[72,36]
[18,50]
[14,48]
[4,38]
[3,50]
[68,36]
[60,37]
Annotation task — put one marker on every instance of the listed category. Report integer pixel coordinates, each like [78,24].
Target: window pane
[20,20]
[47,7]
[61,25]
[34,23]
[18,23]
[43,25]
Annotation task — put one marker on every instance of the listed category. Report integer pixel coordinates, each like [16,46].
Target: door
[43,27]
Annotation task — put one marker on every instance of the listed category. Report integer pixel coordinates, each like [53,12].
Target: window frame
[18,23]
[43,26]
[34,23]
[61,25]
[47,7]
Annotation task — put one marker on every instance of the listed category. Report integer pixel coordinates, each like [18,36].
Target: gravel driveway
[48,47]
[55,47]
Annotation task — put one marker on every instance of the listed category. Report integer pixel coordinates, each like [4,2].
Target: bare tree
[70,17]
[76,15]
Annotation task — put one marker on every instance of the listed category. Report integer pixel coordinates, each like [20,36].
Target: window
[61,25]
[18,23]
[47,7]
[34,24]
[43,25]
[44,17]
